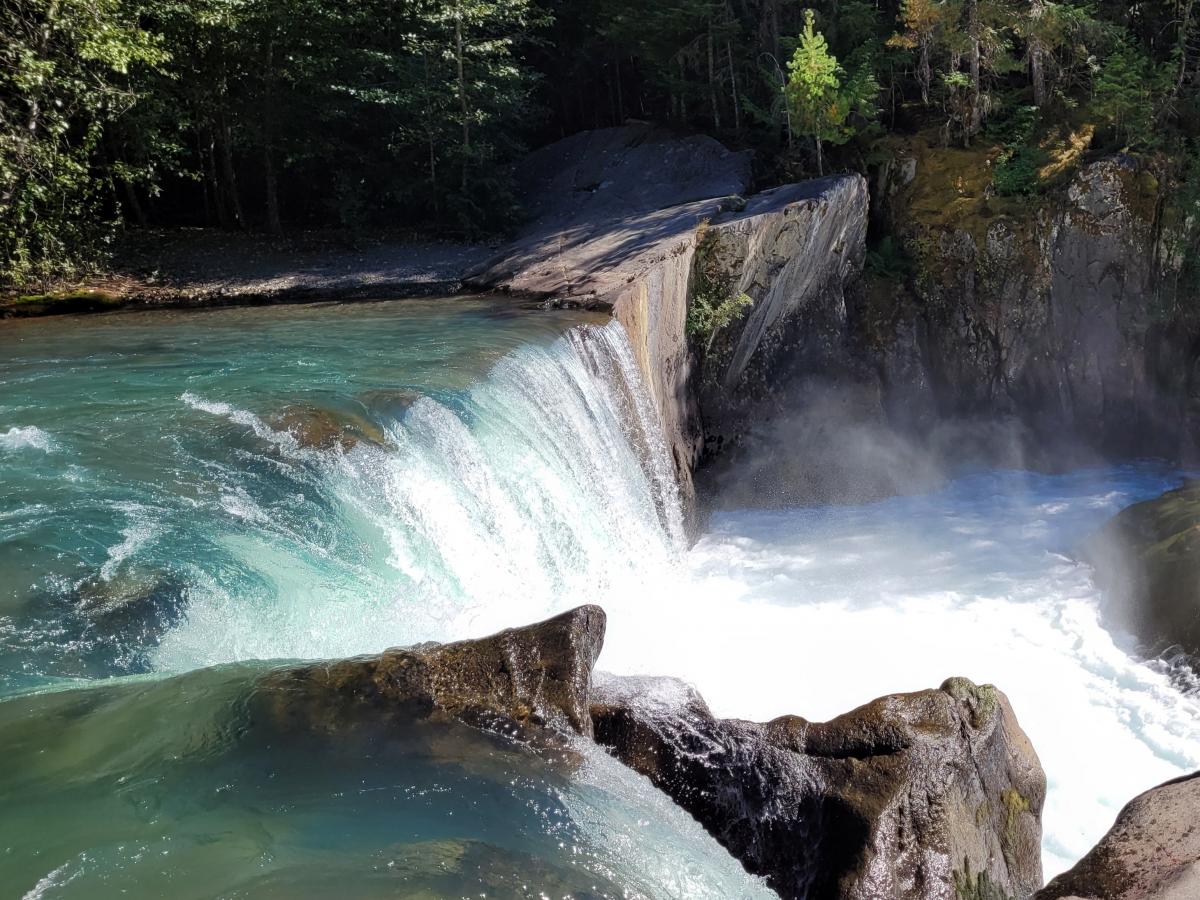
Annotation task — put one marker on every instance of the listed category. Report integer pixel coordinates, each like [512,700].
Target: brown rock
[1151,853]
[320,428]
[1147,559]
[538,675]
[936,794]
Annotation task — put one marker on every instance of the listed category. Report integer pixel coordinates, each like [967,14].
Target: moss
[1014,804]
[82,300]
[983,699]
[977,887]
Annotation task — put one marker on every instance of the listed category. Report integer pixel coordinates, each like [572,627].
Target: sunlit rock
[1151,853]
[539,675]
[321,428]
[920,796]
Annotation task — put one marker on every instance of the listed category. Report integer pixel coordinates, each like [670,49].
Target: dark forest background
[279,115]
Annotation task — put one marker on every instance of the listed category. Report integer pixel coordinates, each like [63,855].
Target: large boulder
[539,675]
[935,795]
[1147,560]
[1151,853]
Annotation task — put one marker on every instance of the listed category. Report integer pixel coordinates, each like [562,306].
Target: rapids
[157,520]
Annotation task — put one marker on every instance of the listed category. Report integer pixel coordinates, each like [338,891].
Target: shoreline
[203,270]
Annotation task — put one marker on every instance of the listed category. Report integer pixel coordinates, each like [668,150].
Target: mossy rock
[60,302]
[1147,560]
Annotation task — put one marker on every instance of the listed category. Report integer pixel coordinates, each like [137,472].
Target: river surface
[164,535]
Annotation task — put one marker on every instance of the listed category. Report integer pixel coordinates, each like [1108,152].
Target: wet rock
[321,428]
[1147,560]
[922,796]
[1151,853]
[135,603]
[389,403]
[539,675]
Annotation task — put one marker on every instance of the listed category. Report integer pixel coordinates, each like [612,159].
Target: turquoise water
[184,490]
[190,496]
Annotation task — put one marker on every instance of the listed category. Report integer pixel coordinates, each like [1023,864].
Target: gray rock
[1151,853]
[920,796]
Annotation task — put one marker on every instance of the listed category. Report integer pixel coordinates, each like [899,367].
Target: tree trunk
[1037,67]
[620,93]
[820,157]
[274,222]
[973,118]
[464,107]
[925,68]
[712,81]
[270,180]
[1185,26]
[229,175]
[733,89]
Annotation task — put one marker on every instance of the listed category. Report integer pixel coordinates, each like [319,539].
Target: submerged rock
[1151,853]
[321,428]
[537,675]
[936,794]
[1147,560]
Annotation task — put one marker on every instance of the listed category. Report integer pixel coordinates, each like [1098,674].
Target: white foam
[140,530]
[773,617]
[543,489]
[29,437]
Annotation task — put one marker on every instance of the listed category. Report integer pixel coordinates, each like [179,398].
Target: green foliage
[66,74]
[889,260]
[823,99]
[377,114]
[1021,159]
[714,302]
[1123,93]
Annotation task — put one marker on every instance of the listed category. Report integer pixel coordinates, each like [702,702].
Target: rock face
[1151,853]
[539,675]
[1147,560]
[1048,313]
[617,215]
[920,796]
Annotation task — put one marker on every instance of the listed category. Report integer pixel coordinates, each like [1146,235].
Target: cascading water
[160,517]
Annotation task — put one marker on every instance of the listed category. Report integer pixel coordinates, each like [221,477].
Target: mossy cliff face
[1043,309]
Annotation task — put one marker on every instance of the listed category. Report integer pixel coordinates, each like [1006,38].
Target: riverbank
[195,268]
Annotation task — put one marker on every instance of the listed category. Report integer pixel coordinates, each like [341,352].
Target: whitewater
[534,480]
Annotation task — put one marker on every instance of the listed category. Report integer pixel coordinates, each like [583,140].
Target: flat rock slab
[605,205]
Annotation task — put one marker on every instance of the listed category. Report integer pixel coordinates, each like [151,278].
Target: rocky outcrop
[618,216]
[1151,853]
[1046,311]
[930,795]
[1147,561]
[539,675]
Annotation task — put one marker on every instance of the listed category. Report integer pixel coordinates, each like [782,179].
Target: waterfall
[544,485]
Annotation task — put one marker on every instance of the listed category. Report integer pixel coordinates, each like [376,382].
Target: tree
[65,74]
[923,20]
[1122,95]
[821,95]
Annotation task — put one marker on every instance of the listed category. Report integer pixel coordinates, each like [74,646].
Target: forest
[407,115]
